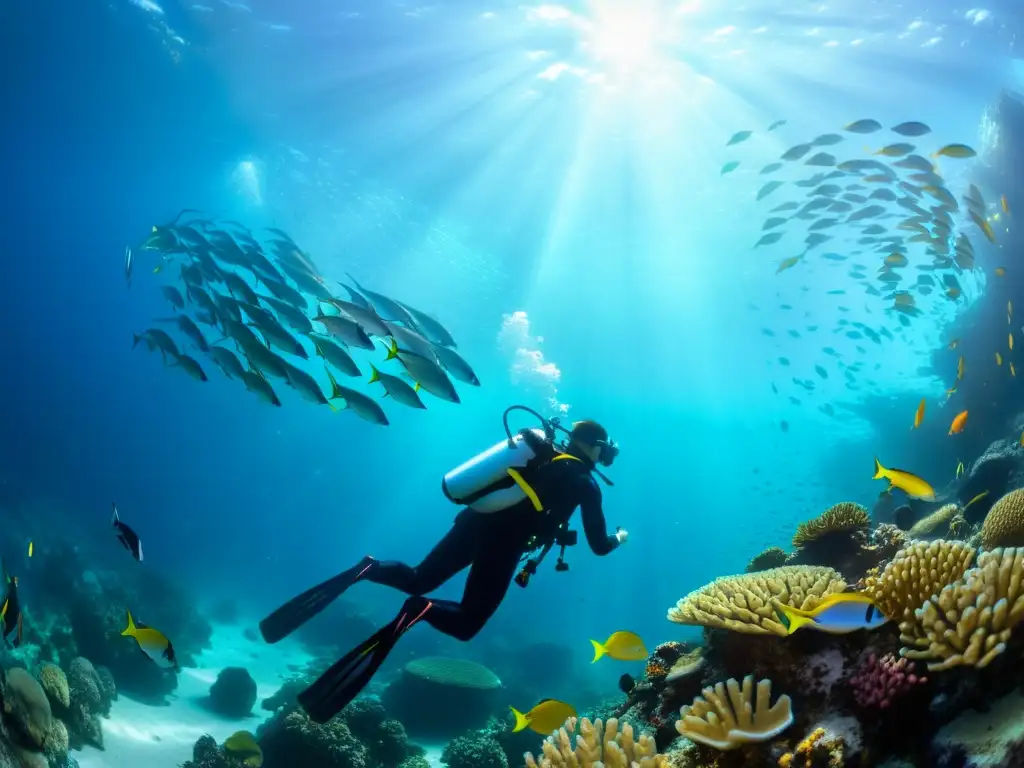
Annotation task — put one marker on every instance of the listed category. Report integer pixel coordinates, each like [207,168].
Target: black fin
[297,611]
[336,687]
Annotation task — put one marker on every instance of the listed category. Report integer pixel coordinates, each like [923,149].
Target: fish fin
[522,721]
[130,631]
[794,616]
[599,650]
[879,470]
[374,374]
[392,350]
[114,519]
[335,389]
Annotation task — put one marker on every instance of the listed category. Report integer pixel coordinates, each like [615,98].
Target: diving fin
[336,687]
[297,611]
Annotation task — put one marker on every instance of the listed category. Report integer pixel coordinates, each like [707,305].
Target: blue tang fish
[837,614]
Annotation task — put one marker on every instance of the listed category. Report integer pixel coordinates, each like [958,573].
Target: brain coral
[969,622]
[937,522]
[1004,523]
[842,518]
[458,673]
[918,571]
[743,603]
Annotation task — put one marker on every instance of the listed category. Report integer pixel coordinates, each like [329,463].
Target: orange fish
[1004,204]
[958,423]
[953,293]
[919,416]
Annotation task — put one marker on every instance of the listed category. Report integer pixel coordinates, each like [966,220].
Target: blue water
[477,161]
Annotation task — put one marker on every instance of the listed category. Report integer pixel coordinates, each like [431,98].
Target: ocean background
[551,190]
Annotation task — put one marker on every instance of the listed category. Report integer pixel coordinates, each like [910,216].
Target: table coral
[727,716]
[878,682]
[744,603]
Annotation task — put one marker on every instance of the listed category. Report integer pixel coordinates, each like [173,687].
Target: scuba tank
[492,480]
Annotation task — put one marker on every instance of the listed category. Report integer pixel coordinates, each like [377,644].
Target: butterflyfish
[909,483]
[837,614]
[958,423]
[621,646]
[547,716]
[152,642]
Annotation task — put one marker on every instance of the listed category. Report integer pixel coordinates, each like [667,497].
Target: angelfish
[126,535]
[837,614]
[153,643]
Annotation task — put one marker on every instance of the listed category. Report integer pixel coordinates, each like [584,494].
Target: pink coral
[878,682]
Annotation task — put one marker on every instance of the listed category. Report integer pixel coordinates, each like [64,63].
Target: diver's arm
[594,526]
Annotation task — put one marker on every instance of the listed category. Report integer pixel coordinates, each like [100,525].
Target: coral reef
[744,603]
[727,716]
[88,702]
[207,754]
[772,557]
[878,682]
[233,693]
[26,707]
[1004,523]
[937,523]
[293,739]
[461,692]
[834,534]
[474,752]
[598,744]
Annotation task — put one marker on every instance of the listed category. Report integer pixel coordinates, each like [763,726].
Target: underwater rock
[292,739]
[287,695]
[87,704]
[462,695]
[56,745]
[983,739]
[233,693]
[499,728]
[388,743]
[26,708]
[474,752]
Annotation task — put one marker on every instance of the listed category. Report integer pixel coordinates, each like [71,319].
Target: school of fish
[256,297]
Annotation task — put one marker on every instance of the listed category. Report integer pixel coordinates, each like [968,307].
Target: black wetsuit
[492,545]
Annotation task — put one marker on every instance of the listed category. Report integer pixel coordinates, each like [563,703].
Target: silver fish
[240,289]
[173,296]
[364,407]
[227,362]
[305,385]
[155,339]
[346,330]
[365,316]
[260,387]
[430,376]
[128,265]
[190,366]
[409,341]
[289,314]
[455,365]
[430,327]
[397,388]
[387,308]
[334,354]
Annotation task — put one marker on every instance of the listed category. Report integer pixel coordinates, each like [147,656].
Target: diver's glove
[621,535]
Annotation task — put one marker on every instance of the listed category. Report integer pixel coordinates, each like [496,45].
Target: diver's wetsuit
[492,544]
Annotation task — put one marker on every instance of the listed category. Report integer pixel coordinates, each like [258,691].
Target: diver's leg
[493,569]
[449,556]
[301,609]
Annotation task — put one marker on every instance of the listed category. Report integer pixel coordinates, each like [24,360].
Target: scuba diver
[519,496]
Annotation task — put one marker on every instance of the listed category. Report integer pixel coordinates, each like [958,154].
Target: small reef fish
[547,716]
[958,423]
[31,548]
[397,388]
[621,646]
[959,469]
[10,613]
[129,265]
[976,499]
[152,642]
[126,535]
[837,615]
[627,683]
[999,359]
[909,483]
[958,151]
[243,744]
[919,416]
[960,368]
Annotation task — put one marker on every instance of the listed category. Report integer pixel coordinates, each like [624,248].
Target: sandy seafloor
[139,735]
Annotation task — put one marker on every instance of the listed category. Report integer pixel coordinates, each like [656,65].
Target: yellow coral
[968,623]
[597,744]
[918,571]
[786,760]
[727,716]
[772,557]
[937,521]
[1004,523]
[844,517]
[743,603]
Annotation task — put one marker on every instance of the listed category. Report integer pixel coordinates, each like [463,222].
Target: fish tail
[879,470]
[130,631]
[336,392]
[392,350]
[794,618]
[136,338]
[114,518]
[374,374]
[522,721]
[599,650]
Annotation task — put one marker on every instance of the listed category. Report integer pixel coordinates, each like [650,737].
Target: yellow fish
[547,716]
[31,548]
[909,483]
[919,416]
[787,263]
[950,392]
[152,642]
[958,423]
[1005,205]
[1013,371]
[999,359]
[1000,271]
[1011,340]
[960,368]
[979,497]
[243,744]
[959,151]
[959,469]
[953,293]
[621,646]
[837,614]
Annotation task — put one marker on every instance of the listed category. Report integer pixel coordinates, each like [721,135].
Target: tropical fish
[455,365]
[776,124]
[10,612]
[958,423]
[31,548]
[1003,204]
[1010,340]
[959,151]
[243,744]
[621,646]
[960,368]
[129,265]
[126,535]
[154,338]
[152,642]
[387,308]
[919,416]
[397,388]
[335,355]
[976,499]
[959,469]
[363,406]
[837,614]
[1000,271]
[226,360]
[627,683]
[257,383]
[306,386]
[896,150]
[911,129]
[430,377]
[739,136]
[190,366]
[909,483]
[999,359]
[173,296]
[346,330]
[729,167]
[371,322]
[547,716]
[769,239]
[295,319]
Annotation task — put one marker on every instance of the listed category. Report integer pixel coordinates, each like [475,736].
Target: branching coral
[743,603]
[844,518]
[1004,523]
[772,557]
[597,745]
[968,623]
[917,572]
[726,717]
[935,523]
[877,682]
